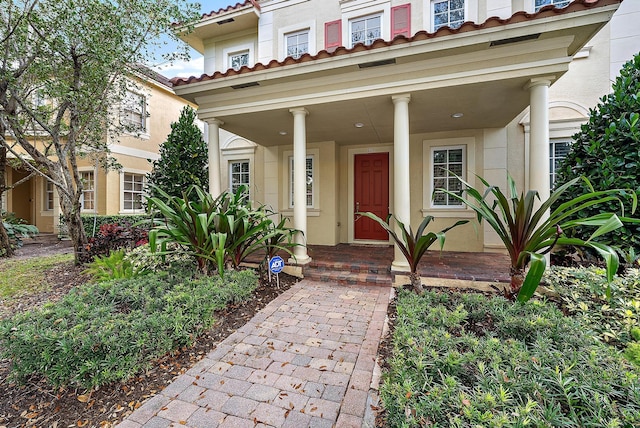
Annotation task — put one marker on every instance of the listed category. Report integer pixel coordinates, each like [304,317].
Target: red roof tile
[545,12]
[223,10]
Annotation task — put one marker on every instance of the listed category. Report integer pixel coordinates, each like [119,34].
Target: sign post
[276,264]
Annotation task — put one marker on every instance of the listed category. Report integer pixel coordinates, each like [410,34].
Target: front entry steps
[41,239]
[348,273]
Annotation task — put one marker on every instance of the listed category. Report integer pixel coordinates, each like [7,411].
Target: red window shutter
[401,20]
[332,35]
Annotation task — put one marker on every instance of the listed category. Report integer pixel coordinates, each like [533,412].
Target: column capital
[214,122]
[540,81]
[401,98]
[299,110]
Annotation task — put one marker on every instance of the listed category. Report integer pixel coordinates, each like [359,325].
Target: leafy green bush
[464,360]
[113,266]
[607,150]
[109,331]
[583,293]
[218,232]
[16,229]
[143,259]
[120,220]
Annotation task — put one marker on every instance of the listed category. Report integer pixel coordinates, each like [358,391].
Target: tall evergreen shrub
[607,151]
[183,158]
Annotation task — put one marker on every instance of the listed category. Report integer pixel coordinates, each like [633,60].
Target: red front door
[371,194]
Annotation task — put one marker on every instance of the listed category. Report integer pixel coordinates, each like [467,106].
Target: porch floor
[363,260]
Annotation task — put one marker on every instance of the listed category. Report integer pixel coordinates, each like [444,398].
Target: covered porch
[454,93]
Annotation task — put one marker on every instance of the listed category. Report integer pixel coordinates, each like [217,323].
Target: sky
[195,66]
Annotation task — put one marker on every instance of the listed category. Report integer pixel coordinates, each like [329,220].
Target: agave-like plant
[529,233]
[413,246]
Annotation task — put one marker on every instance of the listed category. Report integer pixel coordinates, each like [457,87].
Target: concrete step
[41,239]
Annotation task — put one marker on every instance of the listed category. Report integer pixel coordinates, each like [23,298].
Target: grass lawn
[27,276]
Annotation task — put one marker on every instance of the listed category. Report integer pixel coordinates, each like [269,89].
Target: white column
[213,141]
[300,183]
[539,137]
[401,171]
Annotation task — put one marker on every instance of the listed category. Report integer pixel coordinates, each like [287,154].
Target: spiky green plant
[528,233]
[413,245]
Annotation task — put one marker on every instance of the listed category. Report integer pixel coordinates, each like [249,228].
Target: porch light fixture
[457,115]
[377,63]
[225,21]
[282,132]
[358,125]
[245,85]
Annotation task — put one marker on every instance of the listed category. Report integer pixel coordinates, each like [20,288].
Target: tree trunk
[416,282]
[517,279]
[5,245]
[73,220]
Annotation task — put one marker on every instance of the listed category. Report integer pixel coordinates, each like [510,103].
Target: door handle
[357,206]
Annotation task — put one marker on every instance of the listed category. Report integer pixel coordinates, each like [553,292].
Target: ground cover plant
[461,360]
[109,331]
[612,310]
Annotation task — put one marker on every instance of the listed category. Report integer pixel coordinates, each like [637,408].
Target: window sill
[47,213]
[126,212]
[448,212]
[311,212]
[140,135]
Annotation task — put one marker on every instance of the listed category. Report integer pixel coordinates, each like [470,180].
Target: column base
[300,260]
[400,266]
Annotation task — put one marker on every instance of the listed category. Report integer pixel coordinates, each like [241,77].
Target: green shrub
[607,150]
[583,293]
[143,259]
[17,229]
[121,220]
[109,331]
[462,360]
[113,266]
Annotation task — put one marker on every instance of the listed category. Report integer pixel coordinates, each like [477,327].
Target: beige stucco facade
[31,201]
[517,83]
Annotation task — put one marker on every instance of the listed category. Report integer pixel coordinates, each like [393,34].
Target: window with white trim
[239,175]
[296,44]
[48,196]
[87,199]
[558,150]
[238,59]
[133,115]
[309,181]
[539,4]
[448,13]
[366,29]
[447,161]
[133,191]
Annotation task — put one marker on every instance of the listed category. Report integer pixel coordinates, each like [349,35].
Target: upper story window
[297,43]
[87,200]
[539,4]
[238,59]
[366,29]
[134,112]
[449,13]
[558,150]
[447,161]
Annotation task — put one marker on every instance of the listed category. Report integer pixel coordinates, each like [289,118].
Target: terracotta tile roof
[223,10]
[545,12]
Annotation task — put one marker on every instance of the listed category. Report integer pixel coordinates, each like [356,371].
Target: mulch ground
[36,404]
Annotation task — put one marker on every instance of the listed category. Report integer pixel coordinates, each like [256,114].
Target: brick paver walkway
[305,360]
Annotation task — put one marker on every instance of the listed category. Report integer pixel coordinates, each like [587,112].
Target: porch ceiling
[481,73]
[483,105]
